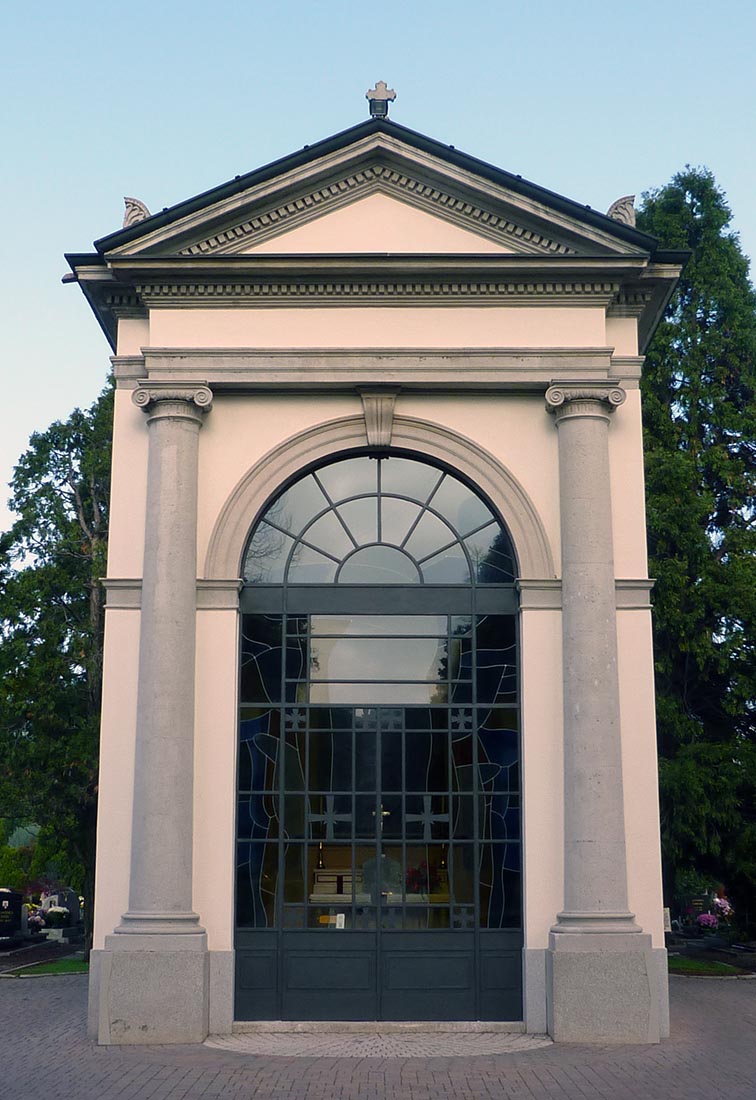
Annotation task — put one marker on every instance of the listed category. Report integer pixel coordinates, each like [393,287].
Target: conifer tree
[51,625]
[699,391]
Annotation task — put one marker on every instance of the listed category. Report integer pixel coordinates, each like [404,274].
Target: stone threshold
[377,1027]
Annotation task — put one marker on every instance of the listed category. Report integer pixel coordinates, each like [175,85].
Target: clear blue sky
[162,100]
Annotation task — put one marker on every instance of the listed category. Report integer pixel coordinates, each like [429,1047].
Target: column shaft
[595,865]
[160,894]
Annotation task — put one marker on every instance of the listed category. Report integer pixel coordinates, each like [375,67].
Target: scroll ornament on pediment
[623,210]
[135,212]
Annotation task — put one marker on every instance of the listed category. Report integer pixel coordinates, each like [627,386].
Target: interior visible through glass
[378,775]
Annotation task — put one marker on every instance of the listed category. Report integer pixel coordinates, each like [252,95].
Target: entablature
[452,370]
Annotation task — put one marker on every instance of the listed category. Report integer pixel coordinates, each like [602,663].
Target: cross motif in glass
[295,719]
[329,818]
[463,918]
[365,718]
[391,719]
[427,817]
[461,720]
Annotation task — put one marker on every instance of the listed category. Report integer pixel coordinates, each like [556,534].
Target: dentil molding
[389,180]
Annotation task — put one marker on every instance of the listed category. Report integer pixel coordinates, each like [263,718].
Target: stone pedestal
[603,988]
[601,974]
[151,981]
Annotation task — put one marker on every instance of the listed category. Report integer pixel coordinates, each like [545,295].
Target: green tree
[700,439]
[51,628]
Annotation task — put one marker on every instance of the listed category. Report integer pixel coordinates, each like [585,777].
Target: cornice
[375,292]
[627,368]
[127,370]
[365,279]
[631,301]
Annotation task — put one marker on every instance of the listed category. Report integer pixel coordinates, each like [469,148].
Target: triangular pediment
[374,190]
[377,223]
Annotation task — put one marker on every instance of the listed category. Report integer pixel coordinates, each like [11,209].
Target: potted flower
[57,916]
[722,908]
[35,922]
[707,922]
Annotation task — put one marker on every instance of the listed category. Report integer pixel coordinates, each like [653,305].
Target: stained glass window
[379,521]
[379,780]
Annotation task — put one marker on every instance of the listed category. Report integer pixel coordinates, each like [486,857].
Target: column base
[152,989]
[603,988]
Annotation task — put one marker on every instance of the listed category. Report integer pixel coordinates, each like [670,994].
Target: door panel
[392,826]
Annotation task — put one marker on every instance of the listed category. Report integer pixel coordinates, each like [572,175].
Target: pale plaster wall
[235,435]
[133,335]
[380,327]
[639,765]
[215,745]
[542,772]
[622,335]
[128,488]
[116,782]
[627,487]
[377,223]
[516,430]
[240,430]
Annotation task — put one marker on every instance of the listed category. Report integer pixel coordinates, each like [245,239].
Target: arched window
[378,784]
[379,521]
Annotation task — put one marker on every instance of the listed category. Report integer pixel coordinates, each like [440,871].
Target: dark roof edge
[353,134]
[79,259]
[672,256]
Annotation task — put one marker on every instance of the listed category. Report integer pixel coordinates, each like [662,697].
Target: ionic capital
[568,399]
[173,399]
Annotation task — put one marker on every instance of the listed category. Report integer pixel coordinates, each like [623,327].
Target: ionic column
[160,893]
[595,866]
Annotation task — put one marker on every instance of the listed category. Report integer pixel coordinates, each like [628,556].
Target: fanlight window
[379,521]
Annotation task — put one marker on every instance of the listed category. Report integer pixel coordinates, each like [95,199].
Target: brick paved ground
[44,1051]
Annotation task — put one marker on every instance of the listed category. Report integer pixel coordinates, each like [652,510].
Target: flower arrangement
[422,879]
[723,910]
[57,916]
[707,922]
[35,921]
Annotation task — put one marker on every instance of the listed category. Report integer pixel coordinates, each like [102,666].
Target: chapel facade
[378,734]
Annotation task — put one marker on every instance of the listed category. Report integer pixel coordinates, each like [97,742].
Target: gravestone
[67,899]
[10,914]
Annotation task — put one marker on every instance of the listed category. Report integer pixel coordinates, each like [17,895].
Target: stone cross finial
[379,98]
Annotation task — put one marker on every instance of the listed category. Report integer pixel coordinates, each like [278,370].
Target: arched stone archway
[417,437]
